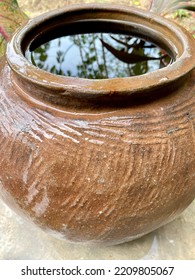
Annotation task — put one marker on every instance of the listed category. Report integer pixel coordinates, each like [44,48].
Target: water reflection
[99,56]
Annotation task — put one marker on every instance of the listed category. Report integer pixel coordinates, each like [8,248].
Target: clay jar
[99,161]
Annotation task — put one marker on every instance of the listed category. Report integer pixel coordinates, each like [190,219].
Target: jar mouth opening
[104,18]
[85,26]
[88,38]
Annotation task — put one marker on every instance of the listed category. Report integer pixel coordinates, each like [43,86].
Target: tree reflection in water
[99,56]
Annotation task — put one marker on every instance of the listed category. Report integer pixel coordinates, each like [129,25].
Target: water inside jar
[99,56]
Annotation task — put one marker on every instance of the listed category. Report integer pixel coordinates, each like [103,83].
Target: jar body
[98,161]
[104,177]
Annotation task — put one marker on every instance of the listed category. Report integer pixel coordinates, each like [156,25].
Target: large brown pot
[100,161]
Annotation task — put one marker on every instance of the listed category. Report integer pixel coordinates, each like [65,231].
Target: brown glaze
[100,161]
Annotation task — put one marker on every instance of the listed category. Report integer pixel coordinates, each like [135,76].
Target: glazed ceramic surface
[98,161]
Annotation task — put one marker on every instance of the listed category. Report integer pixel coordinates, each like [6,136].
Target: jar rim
[174,36]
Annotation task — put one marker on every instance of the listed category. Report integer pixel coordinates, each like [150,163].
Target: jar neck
[79,92]
[88,101]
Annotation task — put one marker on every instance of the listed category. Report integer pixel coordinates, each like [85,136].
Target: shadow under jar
[100,161]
